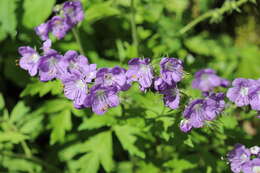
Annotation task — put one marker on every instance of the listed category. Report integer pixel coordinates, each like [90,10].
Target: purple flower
[30,59]
[75,88]
[75,63]
[201,110]
[206,80]
[59,27]
[101,98]
[43,30]
[239,93]
[254,95]
[108,77]
[171,70]
[171,95]
[141,71]
[252,166]
[73,11]
[237,157]
[50,66]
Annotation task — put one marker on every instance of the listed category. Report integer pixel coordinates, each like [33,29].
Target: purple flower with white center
[108,77]
[75,88]
[201,110]
[239,93]
[254,95]
[171,70]
[252,166]
[141,71]
[59,27]
[206,80]
[50,67]
[30,59]
[43,30]
[238,157]
[101,98]
[73,11]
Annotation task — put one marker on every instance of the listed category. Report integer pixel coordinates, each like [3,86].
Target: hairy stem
[211,13]
[77,38]
[133,28]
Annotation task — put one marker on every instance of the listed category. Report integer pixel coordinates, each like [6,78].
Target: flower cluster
[245,92]
[67,17]
[244,160]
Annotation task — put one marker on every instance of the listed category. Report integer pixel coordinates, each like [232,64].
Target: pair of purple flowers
[244,160]
[68,15]
[199,111]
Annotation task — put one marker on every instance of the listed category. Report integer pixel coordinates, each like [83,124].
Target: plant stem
[49,167]
[210,13]
[133,28]
[77,38]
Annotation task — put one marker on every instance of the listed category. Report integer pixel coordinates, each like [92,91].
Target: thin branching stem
[134,28]
[211,13]
[77,38]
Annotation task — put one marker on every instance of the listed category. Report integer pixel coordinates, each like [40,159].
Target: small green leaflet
[8,20]
[99,151]
[18,112]
[127,136]
[43,88]
[2,102]
[60,123]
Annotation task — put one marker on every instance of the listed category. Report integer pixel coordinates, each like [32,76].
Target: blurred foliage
[40,131]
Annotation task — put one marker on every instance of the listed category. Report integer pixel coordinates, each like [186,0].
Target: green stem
[210,14]
[48,166]
[77,38]
[133,28]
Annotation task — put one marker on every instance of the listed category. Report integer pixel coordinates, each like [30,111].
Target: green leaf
[43,88]
[11,136]
[250,62]
[8,20]
[127,136]
[180,165]
[99,151]
[18,112]
[60,123]
[2,102]
[100,10]
[36,12]
[96,122]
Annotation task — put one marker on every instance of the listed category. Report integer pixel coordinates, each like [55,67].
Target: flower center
[80,84]
[256,169]
[243,157]
[143,68]
[204,77]
[52,61]
[244,91]
[35,57]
